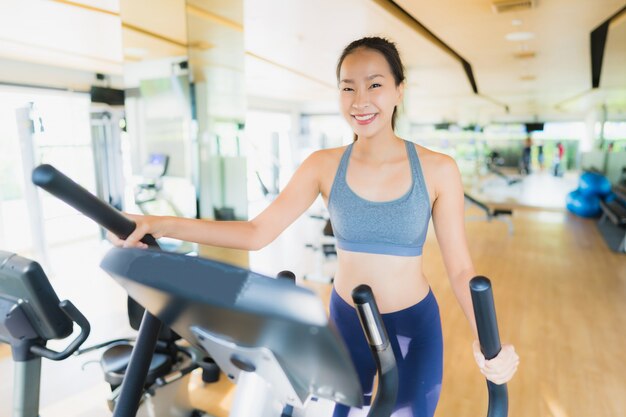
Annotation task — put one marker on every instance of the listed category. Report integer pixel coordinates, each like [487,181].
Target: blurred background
[217,102]
[204,108]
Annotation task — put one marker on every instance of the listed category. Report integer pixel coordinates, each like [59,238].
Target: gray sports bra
[396,227]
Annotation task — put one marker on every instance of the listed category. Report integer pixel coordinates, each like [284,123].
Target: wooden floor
[560,296]
[4,351]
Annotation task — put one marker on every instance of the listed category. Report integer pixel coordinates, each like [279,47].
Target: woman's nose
[361,100]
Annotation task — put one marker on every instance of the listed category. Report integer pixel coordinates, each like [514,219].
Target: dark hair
[388,50]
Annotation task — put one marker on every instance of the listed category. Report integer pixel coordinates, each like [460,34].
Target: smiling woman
[375,52]
[381,192]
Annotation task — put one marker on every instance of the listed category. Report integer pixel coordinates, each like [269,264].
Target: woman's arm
[298,195]
[449,222]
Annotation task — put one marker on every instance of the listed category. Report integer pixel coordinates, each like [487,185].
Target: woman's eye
[375,85]
[346,89]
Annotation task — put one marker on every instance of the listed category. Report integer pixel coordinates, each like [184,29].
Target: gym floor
[559,295]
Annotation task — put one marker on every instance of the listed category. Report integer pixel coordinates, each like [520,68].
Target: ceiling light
[525,54]
[519,36]
[502,6]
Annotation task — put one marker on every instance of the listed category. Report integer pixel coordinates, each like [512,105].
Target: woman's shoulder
[434,160]
[328,156]
[440,170]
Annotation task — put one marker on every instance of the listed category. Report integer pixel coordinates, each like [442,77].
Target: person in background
[540,156]
[558,159]
[526,156]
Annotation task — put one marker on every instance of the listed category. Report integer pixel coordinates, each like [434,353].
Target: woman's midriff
[397,281]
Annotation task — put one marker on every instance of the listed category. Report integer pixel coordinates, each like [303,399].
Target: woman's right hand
[153,225]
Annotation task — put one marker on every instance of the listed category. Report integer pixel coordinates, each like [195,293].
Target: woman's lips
[364,119]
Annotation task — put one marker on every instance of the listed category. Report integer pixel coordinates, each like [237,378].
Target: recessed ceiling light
[524,54]
[519,36]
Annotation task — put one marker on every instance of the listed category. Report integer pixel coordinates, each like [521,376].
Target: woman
[380,192]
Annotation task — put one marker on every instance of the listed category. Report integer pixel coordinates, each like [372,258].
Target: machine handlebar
[489,338]
[376,335]
[59,185]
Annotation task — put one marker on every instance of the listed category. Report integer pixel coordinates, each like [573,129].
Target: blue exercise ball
[583,205]
[594,184]
[610,197]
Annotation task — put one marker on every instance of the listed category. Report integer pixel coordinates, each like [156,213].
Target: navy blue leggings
[415,334]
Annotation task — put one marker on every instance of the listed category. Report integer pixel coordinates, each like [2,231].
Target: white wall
[60,35]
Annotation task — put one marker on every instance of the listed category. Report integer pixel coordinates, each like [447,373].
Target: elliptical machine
[165,391]
[271,336]
[31,315]
[279,328]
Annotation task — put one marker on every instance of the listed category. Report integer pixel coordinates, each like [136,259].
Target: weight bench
[615,212]
[499,214]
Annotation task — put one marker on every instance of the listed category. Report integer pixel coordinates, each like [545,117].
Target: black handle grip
[485,313]
[62,187]
[287,275]
[371,319]
[376,334]
[76,316]
[489,338]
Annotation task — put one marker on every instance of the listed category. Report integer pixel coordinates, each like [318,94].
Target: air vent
[503,6]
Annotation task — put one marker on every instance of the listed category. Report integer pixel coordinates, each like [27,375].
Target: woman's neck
[382,147]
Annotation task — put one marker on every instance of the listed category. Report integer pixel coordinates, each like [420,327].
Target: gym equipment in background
[493,162]
[594,184]
[151,200]
[585,200]
[498,214]
[583,205]
[614,210]
[323,249]
[149,195]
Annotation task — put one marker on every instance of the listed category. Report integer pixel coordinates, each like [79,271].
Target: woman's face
[368,92]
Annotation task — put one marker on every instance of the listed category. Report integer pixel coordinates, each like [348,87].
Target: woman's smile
[364,119]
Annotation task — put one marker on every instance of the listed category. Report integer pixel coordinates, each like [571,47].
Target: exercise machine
[31,314]
[323,249]
[494,160]
[490,214]
[320,366]
[165,391]
[149,194]
[151,200]
[269,335]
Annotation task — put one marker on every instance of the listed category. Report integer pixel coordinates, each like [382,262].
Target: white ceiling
[307,37]
[291,48]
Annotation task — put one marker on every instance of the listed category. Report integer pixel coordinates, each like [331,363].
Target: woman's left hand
[500,369]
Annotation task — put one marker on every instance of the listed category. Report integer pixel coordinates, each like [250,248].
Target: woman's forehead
[364,63]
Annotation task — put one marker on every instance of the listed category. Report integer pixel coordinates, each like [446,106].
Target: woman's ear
[401,93]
